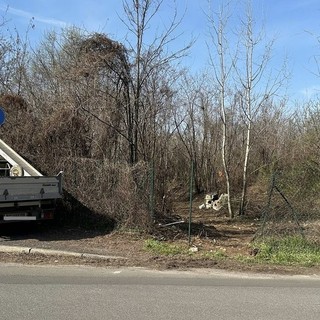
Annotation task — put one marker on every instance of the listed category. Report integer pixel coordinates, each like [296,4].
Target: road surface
[43,292]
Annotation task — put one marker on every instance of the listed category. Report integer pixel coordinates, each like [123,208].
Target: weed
[218,254]
[163,248]
[168,249]
[293,250]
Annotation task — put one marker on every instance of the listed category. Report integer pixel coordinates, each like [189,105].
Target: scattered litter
[194,249]
[214,201]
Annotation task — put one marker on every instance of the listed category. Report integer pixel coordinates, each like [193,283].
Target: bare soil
[210,232]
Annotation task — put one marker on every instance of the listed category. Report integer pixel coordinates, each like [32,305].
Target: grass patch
[163,248]
[169,249]
[296,251]
[215,255]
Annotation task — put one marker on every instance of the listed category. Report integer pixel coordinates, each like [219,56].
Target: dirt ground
[210,232]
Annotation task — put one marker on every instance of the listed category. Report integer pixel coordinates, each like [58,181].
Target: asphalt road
[38,292]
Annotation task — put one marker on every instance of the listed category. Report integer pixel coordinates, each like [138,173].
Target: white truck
[25,194]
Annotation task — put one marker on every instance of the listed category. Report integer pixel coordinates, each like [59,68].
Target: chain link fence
[287,203]
[291,208]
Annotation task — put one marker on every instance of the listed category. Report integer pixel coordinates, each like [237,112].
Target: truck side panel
[29,198]
[30,188]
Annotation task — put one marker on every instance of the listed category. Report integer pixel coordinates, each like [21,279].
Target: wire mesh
[289,210]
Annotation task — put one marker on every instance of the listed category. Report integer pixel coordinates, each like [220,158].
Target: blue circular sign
[2,117]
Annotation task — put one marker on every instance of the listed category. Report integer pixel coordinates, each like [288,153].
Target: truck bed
[14,189]
[25,194]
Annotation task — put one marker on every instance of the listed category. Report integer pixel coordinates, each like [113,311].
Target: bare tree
[256,85]
[84,77]
[240,60]
[222,66]
[14,58]
[147,58]
[197,127]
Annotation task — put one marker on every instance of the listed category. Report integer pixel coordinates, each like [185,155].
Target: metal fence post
[190,202]
[151,198]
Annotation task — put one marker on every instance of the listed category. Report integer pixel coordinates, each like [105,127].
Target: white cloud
[29,16]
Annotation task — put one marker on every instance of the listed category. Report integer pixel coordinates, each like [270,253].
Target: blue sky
[294,23]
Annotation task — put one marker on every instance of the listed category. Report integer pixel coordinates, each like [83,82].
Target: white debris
[221,202]
[214,202]
[194,249]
